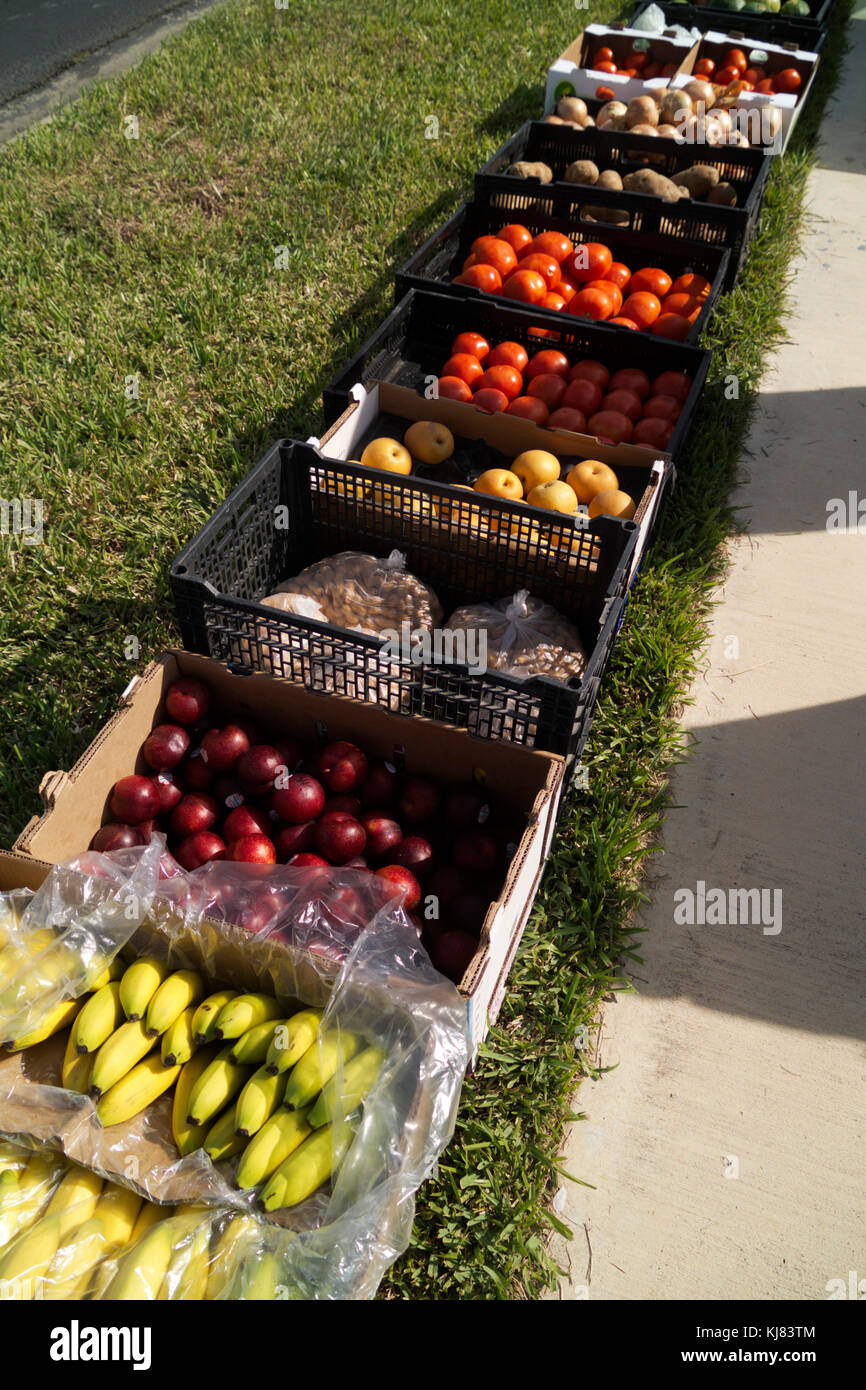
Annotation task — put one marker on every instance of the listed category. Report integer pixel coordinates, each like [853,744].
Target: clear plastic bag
[360,592]
[524,637]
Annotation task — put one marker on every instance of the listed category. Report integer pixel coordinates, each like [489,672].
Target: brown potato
[610,179]
[524,169]
[582,171]
[699,179]
[647,181]
[723,193]
[572,109]
[610,215]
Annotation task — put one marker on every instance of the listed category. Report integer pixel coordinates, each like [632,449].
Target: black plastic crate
[442,255]
[688,220]
[806,32]
[326,506]
[412,344]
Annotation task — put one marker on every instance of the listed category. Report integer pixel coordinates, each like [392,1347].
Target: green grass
[154,258]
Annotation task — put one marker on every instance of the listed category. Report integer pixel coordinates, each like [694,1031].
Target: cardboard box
[773,58]
[571,74]
[643,474]
[527,780]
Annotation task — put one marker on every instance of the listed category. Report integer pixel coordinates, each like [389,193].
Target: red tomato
[481,277]
[591,261]
[607,287]
[672,326]
[553,301]
[591,304]
[653,433]
[505,379]
[490,401]
[526,286]
[604,93]
[454,388]
[605,67]
[462,364]
[610,424]
[754,75]
[516,235]
[491,251]
[509,355]
[636,59]
[566,290]
[602,55]
[618,274]
[549,387]
[566,418]
[529,408]
[651,70]
[545,266]
[624,323]
[695,285]
[725,76]
[553,244]
[765,85]
[663,408]
[788,80]
[582,394]
[627,402]
[548,360]
[630,379]
[643,307]
[672,384]
[650,281]
[593,371]
[704,67]
[736,58]
[473,343]
[683,304]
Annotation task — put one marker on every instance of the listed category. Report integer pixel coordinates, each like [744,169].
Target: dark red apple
[245,820]
[452,952]
[194,813]
[414,853]
[221,748]
[350,804]
[199,849]
[228,791]
[447,884]
[135,799]
[467,809]
[187,700]
[380,787]
[165,748]
[250,728]
[420,800]
[308,861]
[290,752]
[340,837]
[301,799]
[195,774]
[342,766]
[383,834]
[146,828]
[475,852]
[295,839]
[253,849]
[404,881]
[169,791]
[257,769]
[113,836]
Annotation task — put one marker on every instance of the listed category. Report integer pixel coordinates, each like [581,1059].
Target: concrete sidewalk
[726,1150]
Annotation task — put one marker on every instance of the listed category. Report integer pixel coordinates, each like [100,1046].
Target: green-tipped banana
[190,1137]
[215,1088]
[125,1048]
[75,1198]
[243,1012]
[222,1139]
[275,1141]
[177,1044]
[29,1257]
[139,984]
[141,1271]
[317,1066]
[359,1077]
[58,1017]
[251,1048]
[77,1067]
[258,1101]
[98,1019]
[292,1039]
[307,1168]
[228,1249]
[135,1091]
[180,991]
[207,1013]
[73,1265]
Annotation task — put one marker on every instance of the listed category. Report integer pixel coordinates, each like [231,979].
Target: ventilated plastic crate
[804,31]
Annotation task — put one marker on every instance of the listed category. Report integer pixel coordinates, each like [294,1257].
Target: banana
[98,1018]
[181,990]
[317,1066]
[20,951]
[251,1048]
[60,1016]
[177,1043]
[29,1258]
[215,1088]
[113,971]
[190,1137]
[258,1101]
[76,1069]
[75,1198]
[358,1079]
[186,1279]
[259,1278]
[139,984]
[8,1200]
[57,967]
[22,1208]
[292,1039]
[276,1139]
[118,1054]
[135,1091]
[225,1254]
[244,1012]
[148,1216]
[142,1269]
[208,1012]
[222,1140]
[118,1209]
[73,1265]
[307,1168]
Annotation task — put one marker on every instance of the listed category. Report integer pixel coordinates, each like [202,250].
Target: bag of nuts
[360,592]
[525,637]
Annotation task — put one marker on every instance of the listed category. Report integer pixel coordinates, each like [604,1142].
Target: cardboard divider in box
[528,781]
[436,263]
[473,550]
[484,441]
[805,32]
[572,74]
[689,220]
[410,347]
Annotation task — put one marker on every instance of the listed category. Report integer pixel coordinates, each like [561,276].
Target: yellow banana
[225,1254]
[118,1055]
[73,1265]
[99,1016]
[358,1079]
[21,1209]
[76,1069]
[215,1088]
[75,1198]
[222,1140]
[22,949]
[244,1012]
[292,1039]
[148,1216]
[186,1278]
[58,967]
[118,1209]
[177,1043]
[176,993]
[208,1012]
[135,1091]
[276,1139]
[251,1048]
[113,971]
[257,1101]
[190,1137]
[139,984]
[60,1016]
[29,1257]
[307,1168]
[259,1278]
[317,1066]
[142,1269]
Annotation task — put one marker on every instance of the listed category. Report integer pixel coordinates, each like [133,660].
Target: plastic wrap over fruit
[321,1147]
[524,637]
[362,592]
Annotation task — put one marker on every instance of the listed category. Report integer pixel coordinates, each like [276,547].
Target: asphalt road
[39,38]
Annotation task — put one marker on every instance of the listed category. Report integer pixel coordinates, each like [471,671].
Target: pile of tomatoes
[547,272]
[734,67]
[635,64]
[622,408]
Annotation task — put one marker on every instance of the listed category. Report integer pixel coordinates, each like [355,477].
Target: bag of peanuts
[524,637]
[361,592]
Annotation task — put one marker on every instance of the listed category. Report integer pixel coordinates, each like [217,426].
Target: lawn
[190,252]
